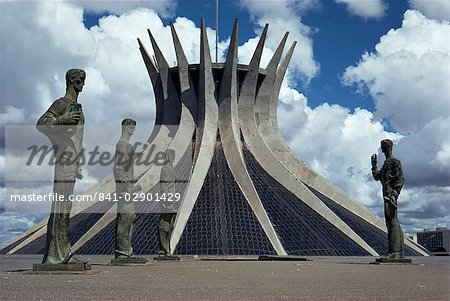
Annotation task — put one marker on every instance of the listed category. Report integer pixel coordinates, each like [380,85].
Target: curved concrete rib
[41,230]
[183,139]
[261,107]
[208,125]
[157,90]
[270,163]
[37,227]
[163,123]
[269,131]
[187,91]
[171,99]
[179,114]
[230,133]
[32,229]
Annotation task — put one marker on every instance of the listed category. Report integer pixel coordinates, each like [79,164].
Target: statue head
[386,146]
[75,78]
[128,125]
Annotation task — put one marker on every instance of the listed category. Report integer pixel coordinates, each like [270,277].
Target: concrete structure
[247,192]
[436,241]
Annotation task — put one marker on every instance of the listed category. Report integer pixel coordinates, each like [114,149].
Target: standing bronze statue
[167,214]
[391,177]
[125,188]
[63,124]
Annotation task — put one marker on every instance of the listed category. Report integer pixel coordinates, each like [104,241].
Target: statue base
[282,258]
[167,258]
[129,261]
[392,260]
[65,267]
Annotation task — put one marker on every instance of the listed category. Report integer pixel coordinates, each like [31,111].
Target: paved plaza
[243,278]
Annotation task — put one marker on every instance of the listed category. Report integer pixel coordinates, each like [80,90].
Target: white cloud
[408,75]
[425,154]
[283,14]
[38,52]
[335,142]
[12,115]
[442,158]
[435,9]
[365,8]
[424,208]
[13,224]
[165,8]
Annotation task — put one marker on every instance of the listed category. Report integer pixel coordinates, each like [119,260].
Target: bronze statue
[391,177]
[125,188]
[63,124]
[167,215]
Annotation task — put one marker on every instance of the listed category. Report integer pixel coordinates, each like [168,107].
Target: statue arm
[58,114]
[48,121]
[375,172]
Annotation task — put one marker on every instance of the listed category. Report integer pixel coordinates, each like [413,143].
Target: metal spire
[217,31]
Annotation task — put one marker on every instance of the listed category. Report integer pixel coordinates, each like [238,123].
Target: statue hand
[70,118]
[374,160]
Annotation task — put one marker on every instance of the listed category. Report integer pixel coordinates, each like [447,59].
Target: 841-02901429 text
[101,197]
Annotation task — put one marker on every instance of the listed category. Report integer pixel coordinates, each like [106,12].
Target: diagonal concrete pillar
[231,136]
[206,137]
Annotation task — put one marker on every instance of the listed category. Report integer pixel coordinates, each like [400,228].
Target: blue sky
[362,71]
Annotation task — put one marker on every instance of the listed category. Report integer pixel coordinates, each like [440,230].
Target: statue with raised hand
[391,177]
[63,124]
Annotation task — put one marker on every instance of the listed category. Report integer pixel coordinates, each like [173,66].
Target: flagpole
[217,31]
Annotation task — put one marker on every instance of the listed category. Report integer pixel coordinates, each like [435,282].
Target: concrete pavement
[324,278]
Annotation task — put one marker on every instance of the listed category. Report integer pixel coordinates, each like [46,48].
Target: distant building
[435,241]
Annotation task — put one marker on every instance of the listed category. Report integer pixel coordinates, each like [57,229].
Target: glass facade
[373,236]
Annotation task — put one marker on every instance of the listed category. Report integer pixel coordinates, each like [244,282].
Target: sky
[362,71]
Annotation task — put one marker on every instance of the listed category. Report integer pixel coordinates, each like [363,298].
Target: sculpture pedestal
[167,258]
[392,260]
[129,261]
[282,258]
[68,267]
